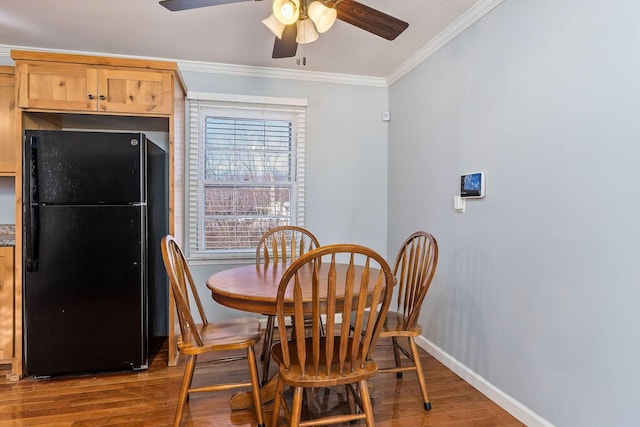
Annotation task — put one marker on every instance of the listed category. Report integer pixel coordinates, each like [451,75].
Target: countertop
[7,235]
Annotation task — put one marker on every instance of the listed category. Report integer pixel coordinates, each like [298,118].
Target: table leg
[243,399]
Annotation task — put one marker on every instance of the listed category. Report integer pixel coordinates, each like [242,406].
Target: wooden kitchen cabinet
[6,304]
[8,148]
[55,82]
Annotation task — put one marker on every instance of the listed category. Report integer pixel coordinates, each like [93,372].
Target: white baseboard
[506,402]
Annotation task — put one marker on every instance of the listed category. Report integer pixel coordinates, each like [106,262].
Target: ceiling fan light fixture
[286,12]
[276,27]
[324,17]
[306,32]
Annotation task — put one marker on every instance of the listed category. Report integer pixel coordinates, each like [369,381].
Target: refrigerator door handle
[33,239]
[33,170]
[33,235]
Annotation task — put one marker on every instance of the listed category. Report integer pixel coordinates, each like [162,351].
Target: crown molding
[281,73]
[477,11]
[5,57]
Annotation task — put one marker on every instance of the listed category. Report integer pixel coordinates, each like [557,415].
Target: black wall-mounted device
[472,185]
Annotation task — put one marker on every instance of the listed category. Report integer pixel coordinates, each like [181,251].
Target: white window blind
[245,174]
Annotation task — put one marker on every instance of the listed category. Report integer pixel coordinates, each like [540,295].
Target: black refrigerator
[95,207]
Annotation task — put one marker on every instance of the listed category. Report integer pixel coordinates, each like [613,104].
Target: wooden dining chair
[282,244]
[335,358]
[414,268]
[203,337]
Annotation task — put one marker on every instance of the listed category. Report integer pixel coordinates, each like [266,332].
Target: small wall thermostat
[472,185]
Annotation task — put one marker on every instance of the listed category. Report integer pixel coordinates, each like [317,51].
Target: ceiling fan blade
[369,19]
[176,5]
[286,47]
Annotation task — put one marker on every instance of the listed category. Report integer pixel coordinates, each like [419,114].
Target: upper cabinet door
[8,147]
[133,91]
[57,86]
[83,88]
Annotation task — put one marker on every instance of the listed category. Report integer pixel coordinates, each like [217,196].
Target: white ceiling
[227,34]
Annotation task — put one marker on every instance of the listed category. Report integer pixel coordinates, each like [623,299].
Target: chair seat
[395,326]
[224,335]
[321,378]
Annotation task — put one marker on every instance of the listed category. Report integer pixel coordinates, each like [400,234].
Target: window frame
[198,104]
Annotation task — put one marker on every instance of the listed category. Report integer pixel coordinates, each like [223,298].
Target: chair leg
[277,400]
[366,403]
[296,407]
[255,385]
[396,355]
[267,337]
[184,389]
[420,373]
[350,400]
[265,356]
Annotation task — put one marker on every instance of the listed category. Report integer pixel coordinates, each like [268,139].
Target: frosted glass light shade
[286,11]
[306,32]
[321,15]
[276,27]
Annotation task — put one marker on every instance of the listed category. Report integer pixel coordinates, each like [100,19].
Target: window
[245,174]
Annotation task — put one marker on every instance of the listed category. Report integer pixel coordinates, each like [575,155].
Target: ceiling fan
[288,34]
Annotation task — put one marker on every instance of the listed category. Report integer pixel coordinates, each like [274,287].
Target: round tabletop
[253,288]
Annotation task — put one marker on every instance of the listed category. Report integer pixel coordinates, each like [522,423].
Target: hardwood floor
[148,398]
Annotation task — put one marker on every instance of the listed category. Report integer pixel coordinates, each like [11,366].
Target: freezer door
[64,167]
[85,306]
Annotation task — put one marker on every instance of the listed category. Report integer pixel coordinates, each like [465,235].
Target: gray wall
[346,162]
[538,283]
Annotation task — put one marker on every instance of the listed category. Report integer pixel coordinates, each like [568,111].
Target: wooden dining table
[253,288]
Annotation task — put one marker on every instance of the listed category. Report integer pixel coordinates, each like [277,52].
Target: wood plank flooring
[148,398]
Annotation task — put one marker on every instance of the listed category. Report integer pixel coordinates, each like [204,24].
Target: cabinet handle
[102,98]
[91,96]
